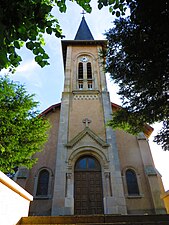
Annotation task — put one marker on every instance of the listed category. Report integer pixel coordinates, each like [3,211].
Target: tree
[138,61]
[26,22]
[22,131]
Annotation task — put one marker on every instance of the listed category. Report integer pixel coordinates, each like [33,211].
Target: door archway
[88,190]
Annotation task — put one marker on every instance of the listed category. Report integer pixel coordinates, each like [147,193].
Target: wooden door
[88,187]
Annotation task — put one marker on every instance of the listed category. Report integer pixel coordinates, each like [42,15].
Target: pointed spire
[84,32]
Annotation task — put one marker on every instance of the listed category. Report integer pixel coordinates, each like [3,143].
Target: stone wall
[14,201]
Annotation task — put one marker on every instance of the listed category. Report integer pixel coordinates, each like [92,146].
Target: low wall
[14,201]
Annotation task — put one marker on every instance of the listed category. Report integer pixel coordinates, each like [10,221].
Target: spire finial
[83,13]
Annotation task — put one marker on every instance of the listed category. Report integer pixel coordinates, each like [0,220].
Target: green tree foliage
[138,61]
[22,131]
[26,22]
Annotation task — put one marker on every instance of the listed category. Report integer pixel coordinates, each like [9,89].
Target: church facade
[86,167]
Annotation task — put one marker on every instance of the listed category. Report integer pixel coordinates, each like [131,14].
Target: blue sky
[47,83]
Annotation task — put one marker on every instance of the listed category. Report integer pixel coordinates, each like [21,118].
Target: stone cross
[86,121]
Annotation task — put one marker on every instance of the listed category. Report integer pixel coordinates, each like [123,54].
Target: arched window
[132,184]
[89,71]
[80,70]
[89,76]
[84,74]
[80,75]
[43,182]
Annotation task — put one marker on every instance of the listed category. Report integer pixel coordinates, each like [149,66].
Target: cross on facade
[86,121]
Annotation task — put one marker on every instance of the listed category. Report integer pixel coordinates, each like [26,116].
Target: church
[86,167]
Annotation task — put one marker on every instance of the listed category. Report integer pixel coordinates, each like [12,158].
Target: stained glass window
[43,181]
[132,185]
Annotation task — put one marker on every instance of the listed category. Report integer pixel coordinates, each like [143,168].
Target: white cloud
[28,73]
[28,66]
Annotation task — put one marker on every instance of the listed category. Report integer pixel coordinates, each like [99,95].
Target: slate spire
[83,32]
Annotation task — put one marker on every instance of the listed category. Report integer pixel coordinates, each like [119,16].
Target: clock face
[84,59]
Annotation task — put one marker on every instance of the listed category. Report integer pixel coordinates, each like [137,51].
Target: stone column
[108,184]
[69,200]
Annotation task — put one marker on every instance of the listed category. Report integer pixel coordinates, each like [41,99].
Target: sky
[47,83]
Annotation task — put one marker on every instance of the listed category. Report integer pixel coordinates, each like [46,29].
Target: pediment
[90,133]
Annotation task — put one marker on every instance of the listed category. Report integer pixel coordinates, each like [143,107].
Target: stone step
[114,223]
[96,220]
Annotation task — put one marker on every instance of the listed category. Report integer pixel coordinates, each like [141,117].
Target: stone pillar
[69,200]
[108,184]
[116,203]
[153,177]
[58,202]
[59,194]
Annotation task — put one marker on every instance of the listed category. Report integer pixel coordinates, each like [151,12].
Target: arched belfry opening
[85,79]
[88,189]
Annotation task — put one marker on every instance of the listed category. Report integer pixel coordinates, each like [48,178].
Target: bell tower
[87,173]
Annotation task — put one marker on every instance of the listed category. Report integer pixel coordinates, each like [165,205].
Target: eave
[52,108]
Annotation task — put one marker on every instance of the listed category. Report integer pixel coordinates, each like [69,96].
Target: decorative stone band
[86,97]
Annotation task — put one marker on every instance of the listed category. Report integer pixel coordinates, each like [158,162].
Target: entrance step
[128,223]
[96,220]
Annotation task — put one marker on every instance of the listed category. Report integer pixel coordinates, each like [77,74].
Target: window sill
[86,91]
[41,197]
[134,196]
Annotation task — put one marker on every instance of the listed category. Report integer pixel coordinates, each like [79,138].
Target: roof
[52,108]
[84,32]
[147,129]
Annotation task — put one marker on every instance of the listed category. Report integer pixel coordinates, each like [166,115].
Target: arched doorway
[88,193]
